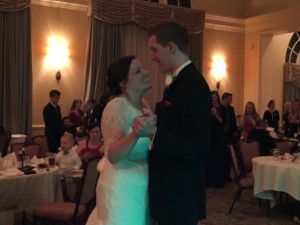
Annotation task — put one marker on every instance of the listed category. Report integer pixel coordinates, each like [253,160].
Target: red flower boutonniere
[167,103]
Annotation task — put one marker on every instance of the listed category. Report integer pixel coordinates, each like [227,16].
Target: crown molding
[63,4]
[229,24]
[38,126]
[283,21]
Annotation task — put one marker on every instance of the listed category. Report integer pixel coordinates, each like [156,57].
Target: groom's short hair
[171,32]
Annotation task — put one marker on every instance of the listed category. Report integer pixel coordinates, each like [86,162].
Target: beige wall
[231,46]
[251,82]
[73,26]
[273,51]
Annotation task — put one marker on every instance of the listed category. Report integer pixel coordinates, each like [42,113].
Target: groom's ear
[172,47]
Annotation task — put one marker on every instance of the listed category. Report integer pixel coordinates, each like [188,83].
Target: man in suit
[180,146]
[53,121]
[230,130]
[230,127]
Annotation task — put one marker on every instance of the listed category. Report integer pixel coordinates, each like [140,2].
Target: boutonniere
[167,103]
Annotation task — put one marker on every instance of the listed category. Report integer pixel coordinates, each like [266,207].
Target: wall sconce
[57,55]
[218,69]
[58,75]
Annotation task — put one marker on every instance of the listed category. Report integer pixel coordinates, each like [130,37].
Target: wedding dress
[122,189]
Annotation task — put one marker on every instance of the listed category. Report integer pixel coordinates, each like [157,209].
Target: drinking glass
[276,152]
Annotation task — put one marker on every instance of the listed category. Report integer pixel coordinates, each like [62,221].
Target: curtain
[291,86]
[147,14]
[134,18]
[13,6]
[104,47]
[15,66]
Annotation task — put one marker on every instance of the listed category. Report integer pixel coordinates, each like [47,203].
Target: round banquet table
[25,192]
[274,174]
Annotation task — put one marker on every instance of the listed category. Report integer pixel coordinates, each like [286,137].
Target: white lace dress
[122,189]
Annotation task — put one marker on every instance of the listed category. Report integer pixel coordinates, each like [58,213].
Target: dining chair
[41,140]
[247,151]
[285,146]
[73,212]
[30,150]
[4,143]
[243,180]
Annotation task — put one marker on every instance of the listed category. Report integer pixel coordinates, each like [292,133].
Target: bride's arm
[118,144]
[121,148]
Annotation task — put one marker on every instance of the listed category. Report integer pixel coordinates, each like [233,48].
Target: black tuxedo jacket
[53,126]
[229,122]
[178,157]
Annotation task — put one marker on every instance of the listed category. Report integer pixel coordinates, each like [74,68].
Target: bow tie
[65,153]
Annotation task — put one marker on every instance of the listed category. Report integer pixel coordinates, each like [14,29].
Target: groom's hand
[143,127]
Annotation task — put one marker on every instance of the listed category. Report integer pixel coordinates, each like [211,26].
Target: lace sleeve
[114,123]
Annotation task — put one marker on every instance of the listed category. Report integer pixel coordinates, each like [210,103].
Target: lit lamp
[57,55]
[218,69]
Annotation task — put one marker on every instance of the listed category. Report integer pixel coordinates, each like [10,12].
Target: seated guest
[77,115]
[88,111]
[91,147]
[294,118]
[260,134]
[98,110]
[67,158]
[272,115]
[248,120]
[287,108]
[68,126]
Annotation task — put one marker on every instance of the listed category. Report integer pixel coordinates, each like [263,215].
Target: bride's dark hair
[118,72]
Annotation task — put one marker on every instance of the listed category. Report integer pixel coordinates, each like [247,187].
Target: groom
[180,147]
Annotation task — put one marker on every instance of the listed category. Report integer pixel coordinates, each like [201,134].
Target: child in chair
[68,158]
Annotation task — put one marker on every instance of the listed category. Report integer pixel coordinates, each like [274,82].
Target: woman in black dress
[216,166]
[271,115]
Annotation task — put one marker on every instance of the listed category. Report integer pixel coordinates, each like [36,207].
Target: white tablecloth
[273,174]
[28,191]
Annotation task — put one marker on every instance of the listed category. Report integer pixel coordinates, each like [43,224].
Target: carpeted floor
[246,211]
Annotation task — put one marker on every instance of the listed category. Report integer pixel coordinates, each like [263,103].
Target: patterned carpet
[246,211]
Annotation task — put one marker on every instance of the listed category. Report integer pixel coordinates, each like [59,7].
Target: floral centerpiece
[297,136]
[296,150]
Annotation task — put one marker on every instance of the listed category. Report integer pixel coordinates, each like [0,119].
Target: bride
[127,124]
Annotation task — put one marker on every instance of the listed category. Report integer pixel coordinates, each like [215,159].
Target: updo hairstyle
[118,72]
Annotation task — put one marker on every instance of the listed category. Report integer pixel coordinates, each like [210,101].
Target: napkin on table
[11,172]
[9,161]
[36,160]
